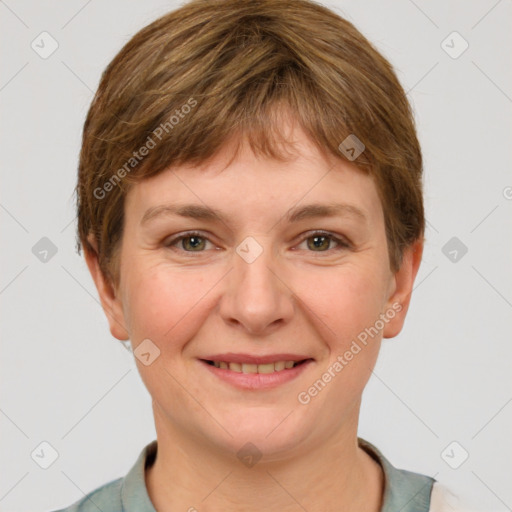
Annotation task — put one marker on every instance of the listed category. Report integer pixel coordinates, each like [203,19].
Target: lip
[258,381]
[231,357]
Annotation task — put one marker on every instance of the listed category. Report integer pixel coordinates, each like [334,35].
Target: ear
[110,301]
[401,289]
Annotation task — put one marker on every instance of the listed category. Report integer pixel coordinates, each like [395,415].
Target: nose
[256,298]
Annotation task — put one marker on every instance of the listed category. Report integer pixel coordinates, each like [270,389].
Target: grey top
[404,491]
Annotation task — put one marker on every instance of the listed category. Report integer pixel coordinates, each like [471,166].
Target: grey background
[66,381]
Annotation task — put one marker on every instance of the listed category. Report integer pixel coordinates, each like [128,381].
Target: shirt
[404,491]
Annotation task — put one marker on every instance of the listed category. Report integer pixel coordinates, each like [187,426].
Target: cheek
[166,306]
[343,305]
[344,301]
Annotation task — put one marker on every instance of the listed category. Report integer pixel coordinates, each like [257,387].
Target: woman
[250,208]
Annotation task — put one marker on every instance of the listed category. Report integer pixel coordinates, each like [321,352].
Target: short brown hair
[213,70]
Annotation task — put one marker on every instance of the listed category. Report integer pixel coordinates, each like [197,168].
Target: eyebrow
[200,212]
[325,210]
[192,211]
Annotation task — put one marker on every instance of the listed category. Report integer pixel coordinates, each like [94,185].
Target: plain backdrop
[445,379]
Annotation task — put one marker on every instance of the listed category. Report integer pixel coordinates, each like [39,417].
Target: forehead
[246,183]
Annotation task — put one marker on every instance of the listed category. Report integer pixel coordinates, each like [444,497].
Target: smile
[256,368]
[256,376]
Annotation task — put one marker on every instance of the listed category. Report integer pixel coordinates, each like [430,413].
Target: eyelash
[342,244]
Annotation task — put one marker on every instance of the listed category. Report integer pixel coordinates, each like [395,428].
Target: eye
[320,241]
[188,242]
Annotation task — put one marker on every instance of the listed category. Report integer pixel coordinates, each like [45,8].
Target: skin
[294,298]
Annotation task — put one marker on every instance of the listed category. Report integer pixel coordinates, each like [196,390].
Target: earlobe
[400,296]
[110,301]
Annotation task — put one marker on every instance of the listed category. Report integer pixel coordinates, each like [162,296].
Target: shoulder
[106,498]
[125,493]
[443,499]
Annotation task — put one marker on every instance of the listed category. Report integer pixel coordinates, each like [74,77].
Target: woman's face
[286,262]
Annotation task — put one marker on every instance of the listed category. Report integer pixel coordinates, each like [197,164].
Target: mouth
[248,368]
[250,375]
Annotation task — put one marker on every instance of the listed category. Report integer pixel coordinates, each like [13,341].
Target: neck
[189,475]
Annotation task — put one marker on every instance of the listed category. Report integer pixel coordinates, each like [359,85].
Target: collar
[403,490]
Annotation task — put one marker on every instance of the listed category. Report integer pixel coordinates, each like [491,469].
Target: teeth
[265,368]
[279,366]
[236,367]
[249,368]
[255,368]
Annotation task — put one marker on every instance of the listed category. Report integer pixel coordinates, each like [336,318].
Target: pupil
[194,241]
[319,242]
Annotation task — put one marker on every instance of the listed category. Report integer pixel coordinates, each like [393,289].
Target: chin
[273,432]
